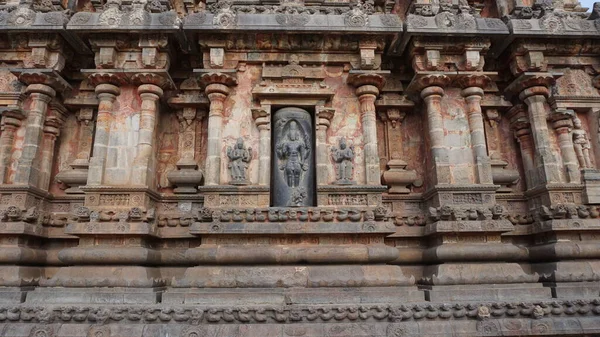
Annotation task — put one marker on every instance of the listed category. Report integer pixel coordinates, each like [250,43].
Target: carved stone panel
[293,169]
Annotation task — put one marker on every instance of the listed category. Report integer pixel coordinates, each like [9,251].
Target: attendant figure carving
[343,156]
[582,144]
[239,157]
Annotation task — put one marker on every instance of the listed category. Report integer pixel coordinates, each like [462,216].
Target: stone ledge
[201,228]
[390,311]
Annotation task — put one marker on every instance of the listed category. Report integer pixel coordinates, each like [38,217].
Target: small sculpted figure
[293,153]
[343,156]
[582,144]
[239,157]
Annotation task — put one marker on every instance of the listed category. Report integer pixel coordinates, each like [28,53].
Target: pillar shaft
[473,97]
[47,155]
[366,96]
[324,116]
[264,159]
[9,128]
[107,94]
[433,97]
[569,157]
[217,93]
[143,165]
[547,164]
[27,169]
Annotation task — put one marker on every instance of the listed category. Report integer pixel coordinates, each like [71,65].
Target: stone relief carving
[582,144]
[239,158]
[358,16]
[293,167]
[343,156]
[448,16]
[292,152]
[224,15]
[112,14]
[552,17]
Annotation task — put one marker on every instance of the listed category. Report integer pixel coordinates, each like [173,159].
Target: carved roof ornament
[40,13]
[447,16]
[358,16]
[549,17]
[224,15]
[151,14]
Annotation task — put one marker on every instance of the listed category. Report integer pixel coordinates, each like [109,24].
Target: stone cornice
[229,20]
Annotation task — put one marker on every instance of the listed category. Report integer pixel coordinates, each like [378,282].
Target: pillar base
[13,295]
[486,292]
[101,295]
[292,296]
[105,276]
[293,276]
[574,290]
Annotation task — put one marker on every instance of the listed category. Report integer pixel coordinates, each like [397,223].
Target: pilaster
[28,170]
[191,106]
[10,123]
[367,86]
[143,165]
[107,90]
[262,119]
[216,89]
[432,91]
[562,124]
[533,90]
[473,86]
[324,116]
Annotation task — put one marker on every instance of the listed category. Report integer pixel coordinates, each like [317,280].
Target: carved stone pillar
[107,94]
[324,116]
[11,121]
[521,127]
[217,89]
[501,175]
[262,119]
[534,95]
[187,177]
[562,124]
[367,88]
[27,170]
[143,170]
[432,95]
[473,92]
[77,175]
[51,132]
[397,177]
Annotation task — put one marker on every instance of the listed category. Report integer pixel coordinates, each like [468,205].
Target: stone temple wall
[299,168]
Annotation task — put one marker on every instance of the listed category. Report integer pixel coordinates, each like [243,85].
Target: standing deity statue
[343,157]
[239,157]
[293,153]
[582,144]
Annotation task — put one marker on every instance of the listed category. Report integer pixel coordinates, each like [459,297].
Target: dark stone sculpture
[343,156]
[239,157]
[293,168]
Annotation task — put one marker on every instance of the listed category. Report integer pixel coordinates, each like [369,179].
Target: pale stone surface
[469,204]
